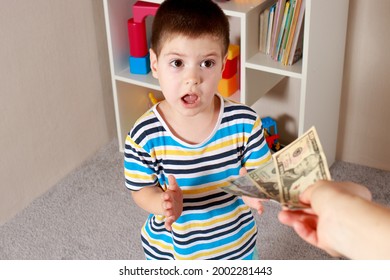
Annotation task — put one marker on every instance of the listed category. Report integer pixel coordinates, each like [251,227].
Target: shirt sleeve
[256,152]
[139,166]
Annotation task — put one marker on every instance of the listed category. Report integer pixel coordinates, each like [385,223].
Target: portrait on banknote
[299,165]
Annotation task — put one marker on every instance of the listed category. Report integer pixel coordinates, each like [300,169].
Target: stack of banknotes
[290,172]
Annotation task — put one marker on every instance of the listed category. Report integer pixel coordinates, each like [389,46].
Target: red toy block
[138,44]
[231,67]
[142,9]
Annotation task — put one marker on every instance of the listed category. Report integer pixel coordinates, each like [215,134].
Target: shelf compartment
[264,62]
[129,96]
[258,83]
[141,80]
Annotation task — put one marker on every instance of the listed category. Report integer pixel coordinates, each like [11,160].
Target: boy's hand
[172,202]
[252,202]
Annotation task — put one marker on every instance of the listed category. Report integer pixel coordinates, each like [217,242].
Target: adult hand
[319,225]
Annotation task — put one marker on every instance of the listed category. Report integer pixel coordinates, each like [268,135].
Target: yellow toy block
[227,87]
[233,51]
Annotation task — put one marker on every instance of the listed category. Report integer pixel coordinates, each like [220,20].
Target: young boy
[184,148]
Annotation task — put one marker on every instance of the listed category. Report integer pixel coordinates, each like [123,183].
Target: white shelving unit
[313,98]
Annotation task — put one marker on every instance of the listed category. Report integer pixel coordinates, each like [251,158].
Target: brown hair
[190,18]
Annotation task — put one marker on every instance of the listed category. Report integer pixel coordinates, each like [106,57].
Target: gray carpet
[90,215]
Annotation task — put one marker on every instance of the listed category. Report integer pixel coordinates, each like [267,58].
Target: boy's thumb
[172,184]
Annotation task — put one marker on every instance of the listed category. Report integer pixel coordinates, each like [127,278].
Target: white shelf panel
[263,62]
[147,81]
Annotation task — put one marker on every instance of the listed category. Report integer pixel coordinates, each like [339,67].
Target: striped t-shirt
[213,224]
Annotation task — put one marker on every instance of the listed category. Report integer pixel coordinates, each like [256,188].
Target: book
[277,24]
[263,30]
[292,31]
[264,25]
[298,51]
[287,30]
[281,31]
[297,41]
[270,27]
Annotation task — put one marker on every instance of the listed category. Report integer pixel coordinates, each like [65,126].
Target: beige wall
[364,135]
[56,105]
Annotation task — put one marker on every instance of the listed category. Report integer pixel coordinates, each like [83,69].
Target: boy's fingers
[260,209]
[168,226]
[172,184]
[243,171]
[168,213]
[168,223]
[167,205]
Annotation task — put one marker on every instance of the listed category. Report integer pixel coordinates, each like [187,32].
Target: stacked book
[281,30]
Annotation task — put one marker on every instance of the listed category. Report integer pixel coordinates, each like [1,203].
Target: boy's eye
[207,63]
[176,63]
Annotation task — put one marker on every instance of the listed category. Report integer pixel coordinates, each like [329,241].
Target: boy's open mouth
[189,98]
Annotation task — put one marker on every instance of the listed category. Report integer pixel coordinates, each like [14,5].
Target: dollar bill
[259,183]
[299,165]
[290,172]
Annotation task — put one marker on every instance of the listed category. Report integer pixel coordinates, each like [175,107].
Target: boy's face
[189,70]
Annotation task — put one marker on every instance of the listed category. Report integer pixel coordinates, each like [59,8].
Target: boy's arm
[167,203]
[252,202]
[256,157]
[149,199]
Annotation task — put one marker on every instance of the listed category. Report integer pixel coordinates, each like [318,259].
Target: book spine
[297,34]
[270,28]
[292,31]
[277,23]
[282,31]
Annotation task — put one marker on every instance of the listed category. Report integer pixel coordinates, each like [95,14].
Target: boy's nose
[192,81]
[193,77]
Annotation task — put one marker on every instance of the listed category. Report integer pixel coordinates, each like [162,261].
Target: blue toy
[271,133]
[139,65]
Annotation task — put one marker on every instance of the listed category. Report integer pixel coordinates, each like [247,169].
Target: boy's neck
[194,129]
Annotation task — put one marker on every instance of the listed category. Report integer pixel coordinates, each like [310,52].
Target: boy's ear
[153,63]
[224,62]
